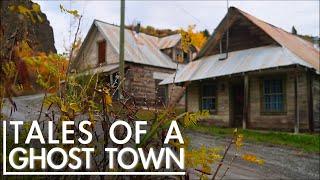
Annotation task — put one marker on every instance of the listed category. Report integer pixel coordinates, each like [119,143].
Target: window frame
[105,51]
[263,110]
[201,97]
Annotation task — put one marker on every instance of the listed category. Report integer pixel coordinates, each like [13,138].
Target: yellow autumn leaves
[202,158]
[252,158]
[62,104]
[32,13]
[238,139]
[190,37]
[9,69]
[191,119]
[107,97]
[74,13]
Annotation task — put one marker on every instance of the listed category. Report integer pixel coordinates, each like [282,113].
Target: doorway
[237,104]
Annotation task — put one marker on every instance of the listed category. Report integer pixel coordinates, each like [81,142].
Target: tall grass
[303,141]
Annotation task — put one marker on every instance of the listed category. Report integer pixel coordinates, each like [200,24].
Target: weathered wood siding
[173,53]
[256,118]
[223,109]
[222,115]
[316,101]
[142,83]
[140,80]
[89,56]
[193,96]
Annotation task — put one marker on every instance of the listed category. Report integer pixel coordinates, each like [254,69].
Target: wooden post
[296,104]
[245,102]
[121,48]
[310,100]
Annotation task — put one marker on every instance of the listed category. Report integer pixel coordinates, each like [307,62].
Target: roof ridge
[269,24]
[142,55]
[106,22]
[133,30]
[297,45]
[170,35]
[125,28]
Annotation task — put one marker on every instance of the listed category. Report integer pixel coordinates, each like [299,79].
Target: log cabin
[148,60]
[251,74]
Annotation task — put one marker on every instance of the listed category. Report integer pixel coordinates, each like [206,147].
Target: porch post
[296,104]
[310,100]
[245,102]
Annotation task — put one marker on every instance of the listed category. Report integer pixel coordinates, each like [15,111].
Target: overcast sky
[304,15]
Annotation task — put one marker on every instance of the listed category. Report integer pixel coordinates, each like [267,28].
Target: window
[101,52]
[186,57]
[208,98]
[273,95]
[179,55]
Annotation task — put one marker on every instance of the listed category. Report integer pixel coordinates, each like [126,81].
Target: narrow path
[28,107]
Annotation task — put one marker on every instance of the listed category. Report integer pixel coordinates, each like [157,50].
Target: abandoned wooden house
[148,60]
[252,74]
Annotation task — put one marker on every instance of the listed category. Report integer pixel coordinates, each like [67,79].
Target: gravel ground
[28,107]
[280,162]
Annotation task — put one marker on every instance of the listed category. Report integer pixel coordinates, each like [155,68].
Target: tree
[206,33]
[191,37]
[294,31]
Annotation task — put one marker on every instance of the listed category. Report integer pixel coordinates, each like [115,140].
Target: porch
[279,99]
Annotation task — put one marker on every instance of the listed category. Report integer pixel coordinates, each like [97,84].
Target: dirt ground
[280,162]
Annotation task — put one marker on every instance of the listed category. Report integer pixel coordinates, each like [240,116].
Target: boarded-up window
[273,95]
[101,52]
[161,93]
[208,98]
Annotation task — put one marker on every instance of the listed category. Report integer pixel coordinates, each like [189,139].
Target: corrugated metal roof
[139,48]
[101,69]
[237,62]
[295,44]
[160,75]
[300,47]
[169,41]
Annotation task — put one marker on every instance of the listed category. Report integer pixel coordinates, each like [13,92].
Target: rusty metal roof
[139,48]
[238,62]
[302,48]
[100,69]
[291,50]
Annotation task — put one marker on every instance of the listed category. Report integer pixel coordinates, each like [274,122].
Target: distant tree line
[150,30]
